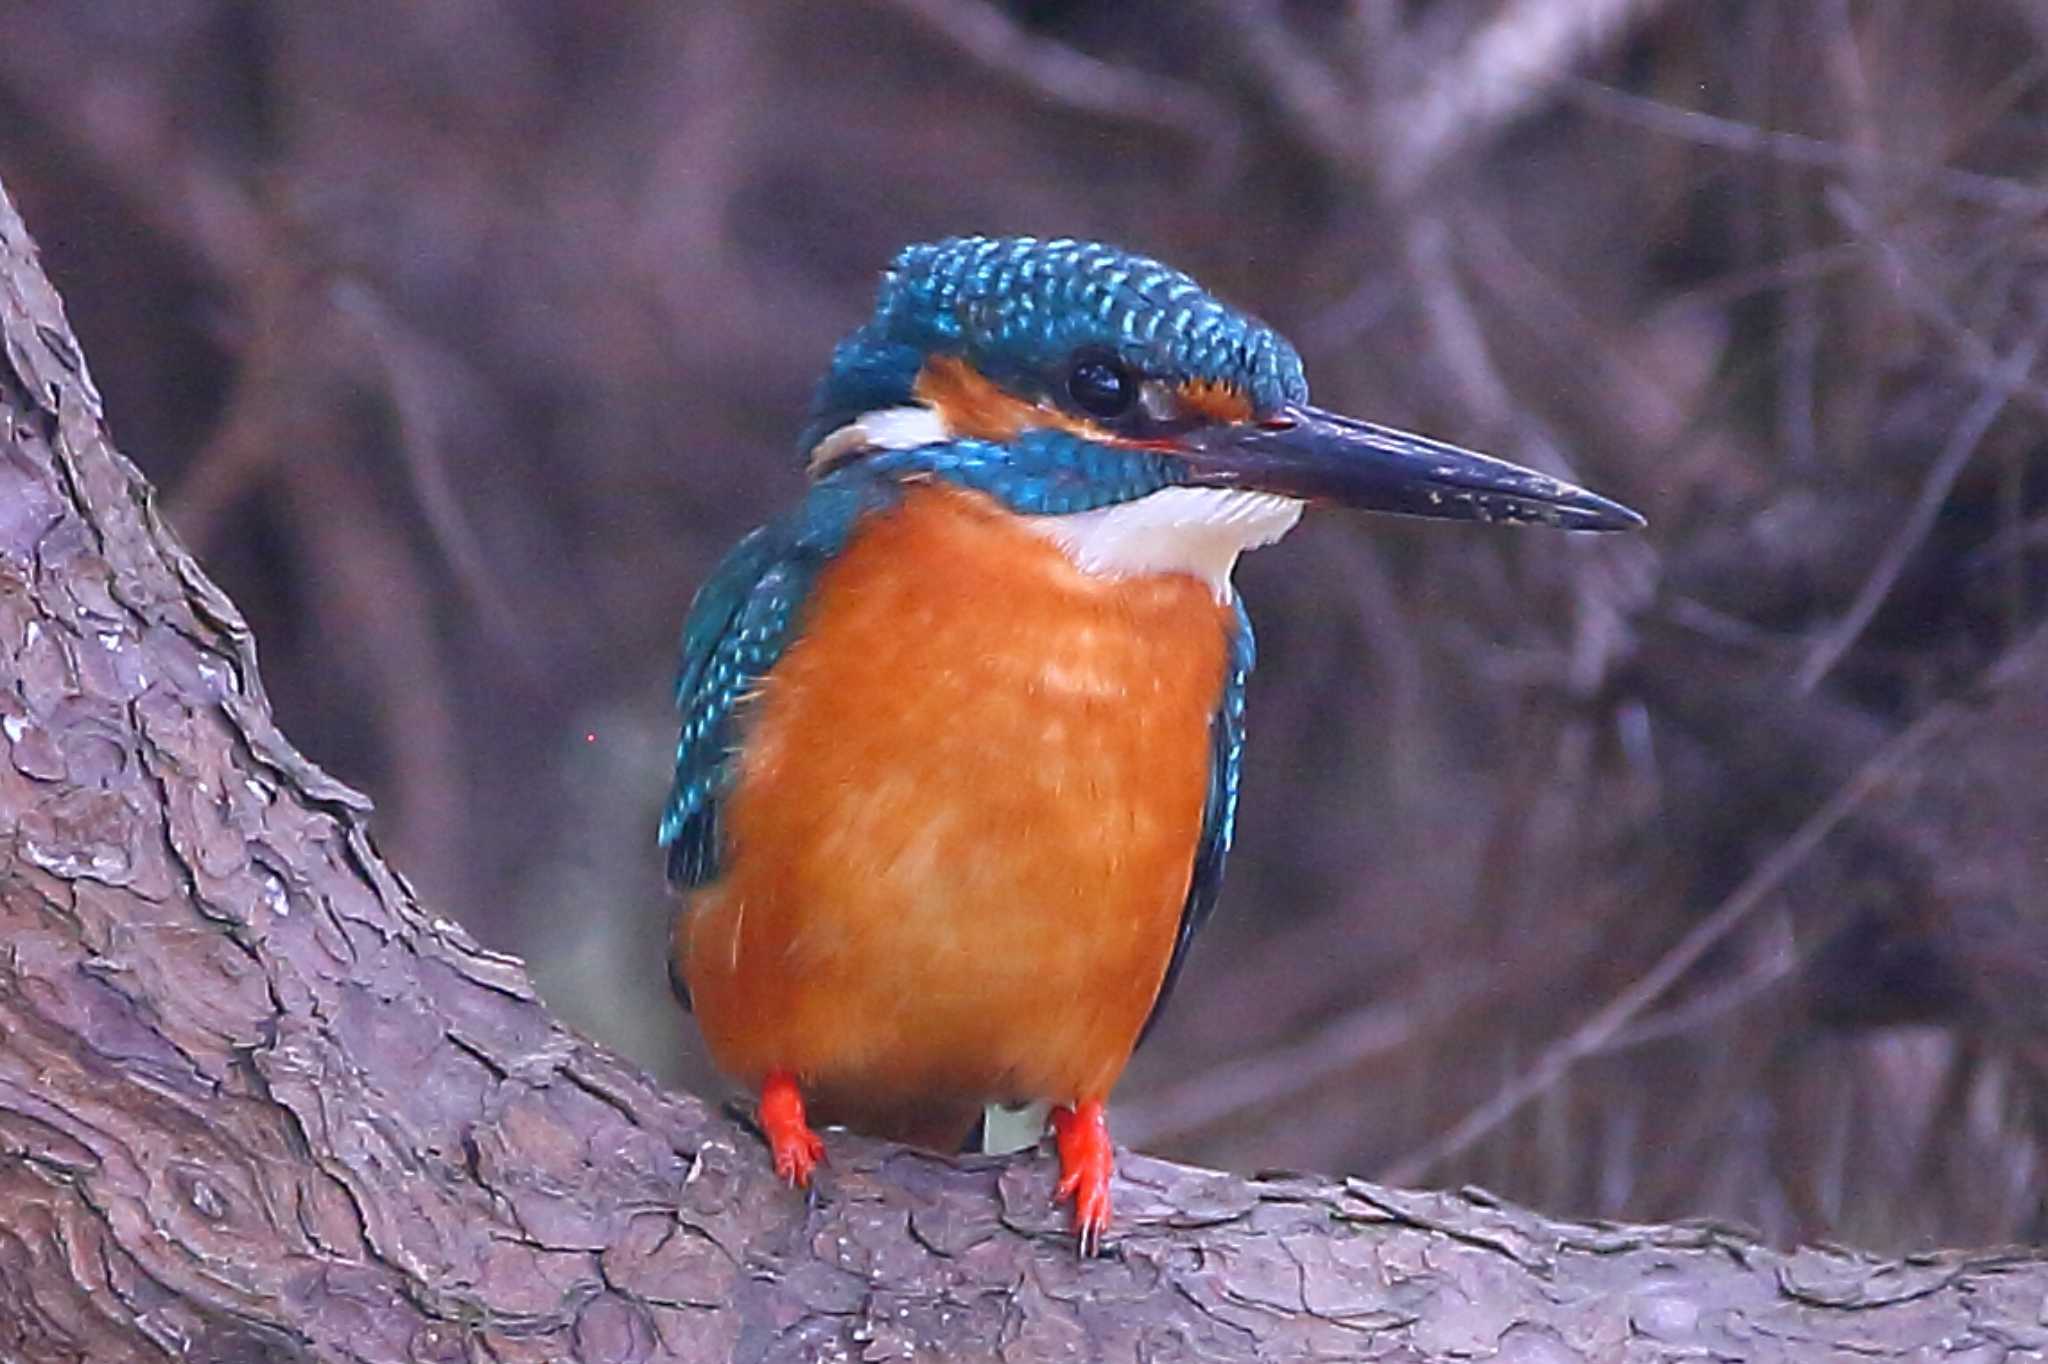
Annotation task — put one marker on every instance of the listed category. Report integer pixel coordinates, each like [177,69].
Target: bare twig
[2012,579]
[1798,349]
[139,147]
[1598,1033]
[1712,130]
[1074,80]
[1509,67]
[1609,580]
[1779,963]
[1979,358]
[244,448]
[1274,1076]
[413,370]
[1934,489]
[1326,114]
[1453,327]
[1820,263]
[366,585]
[1626,376]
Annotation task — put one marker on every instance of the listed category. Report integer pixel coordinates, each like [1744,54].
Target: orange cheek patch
[971,405]
[1213,401]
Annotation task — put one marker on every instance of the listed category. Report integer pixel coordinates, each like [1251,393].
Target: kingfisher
[961,731]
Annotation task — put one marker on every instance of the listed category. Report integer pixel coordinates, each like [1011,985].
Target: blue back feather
[743,618]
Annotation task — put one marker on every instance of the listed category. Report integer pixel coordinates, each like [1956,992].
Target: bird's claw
[1086,1160]
[796,1149]
[797,1156]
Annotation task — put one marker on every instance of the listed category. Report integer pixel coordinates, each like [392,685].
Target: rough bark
[256,1103]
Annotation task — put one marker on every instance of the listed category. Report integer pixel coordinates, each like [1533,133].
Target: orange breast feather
[964,828]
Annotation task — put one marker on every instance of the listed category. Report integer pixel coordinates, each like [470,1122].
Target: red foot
[796,1148]
[1086,1159]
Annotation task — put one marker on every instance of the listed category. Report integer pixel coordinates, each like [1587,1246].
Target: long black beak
[1304,452]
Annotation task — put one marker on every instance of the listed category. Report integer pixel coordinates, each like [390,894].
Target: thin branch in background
[1816,266]
[1712,130]
[1608,580]
[1891,763]
[1368,32]
[2014,542]
[367,584]
[1798,349]
[1074,80]
[677,234]
[1934,490]
[1254,1083]
[1631,379]
[1979,358]
[1504,71]
[244,449]
[1989,112]
[1399,672]
[1325,113]
[413,370]
[1453,327]
[1500,74]
[2012,576]
[139,148]
[1459,339]
[1369,304]
[1722,628]
[1779,963]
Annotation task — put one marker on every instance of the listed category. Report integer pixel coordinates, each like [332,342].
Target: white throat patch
[1197,531]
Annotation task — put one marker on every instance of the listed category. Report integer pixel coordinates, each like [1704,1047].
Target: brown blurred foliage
[1697,873]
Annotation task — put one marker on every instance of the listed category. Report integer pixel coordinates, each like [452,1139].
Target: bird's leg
[796,1148]
[1086,1158]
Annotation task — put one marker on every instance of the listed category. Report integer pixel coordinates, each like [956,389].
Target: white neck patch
[1196,531]
[886,428]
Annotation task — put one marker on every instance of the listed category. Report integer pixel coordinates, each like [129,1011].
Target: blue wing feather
[1219,813]
[743,618]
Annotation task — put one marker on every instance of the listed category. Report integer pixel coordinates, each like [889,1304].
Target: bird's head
[1065,377]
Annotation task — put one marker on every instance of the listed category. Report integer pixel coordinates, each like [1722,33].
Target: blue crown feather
[1018,308]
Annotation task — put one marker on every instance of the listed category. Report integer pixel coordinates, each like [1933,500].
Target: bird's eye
[1102,386]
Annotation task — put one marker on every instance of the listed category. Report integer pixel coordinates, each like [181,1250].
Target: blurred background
[1702,873]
